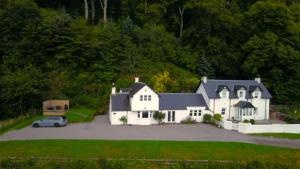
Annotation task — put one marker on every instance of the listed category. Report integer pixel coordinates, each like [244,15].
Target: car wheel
[35,125]
[56,125]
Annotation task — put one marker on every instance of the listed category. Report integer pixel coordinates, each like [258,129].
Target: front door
[171,116]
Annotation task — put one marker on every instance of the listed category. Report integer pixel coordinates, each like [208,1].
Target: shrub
[123,119]
[252,121]
[159,116]
[207,118]
[188,120]
[217,118]
[246,121]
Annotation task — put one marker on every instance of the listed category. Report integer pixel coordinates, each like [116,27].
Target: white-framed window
[256,94]
[199,114]
[223,110]
[149,97]
[191,112]
[195,112]
[141,97]
[241,94]
[145,97]
[139,115]
[224,94]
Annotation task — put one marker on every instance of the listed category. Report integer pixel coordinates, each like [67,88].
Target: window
[191,112]
[223,94]
[145,114]
[256,94]
[223,111]
[149,97]
[195,112]
[241,93]
[199,114]
[141,97]
[145,97]
[139,114]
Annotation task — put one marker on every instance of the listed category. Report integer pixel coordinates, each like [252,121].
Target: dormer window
[256,94]
[223,94]
[241,94]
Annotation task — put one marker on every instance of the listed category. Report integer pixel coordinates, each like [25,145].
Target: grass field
[21,124]
[280,135]
[176,150]
[81,114]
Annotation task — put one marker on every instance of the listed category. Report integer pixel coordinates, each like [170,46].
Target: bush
[252,121]
[207,118]
[188,120]
[217,118]
[246,121]
[123,119]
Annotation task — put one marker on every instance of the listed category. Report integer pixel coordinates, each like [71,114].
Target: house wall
[262,106]
[115,117]
[137,105]
[132,116]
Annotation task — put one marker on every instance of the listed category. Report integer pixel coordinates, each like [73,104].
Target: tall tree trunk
[20,102]
[145,6]
[86,7]
[93,11]
[103,4]
[181,11]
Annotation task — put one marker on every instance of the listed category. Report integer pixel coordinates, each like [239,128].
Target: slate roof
[244,104]
[179,101]
[136,87]
[120,102]
[212,86]
[167,101]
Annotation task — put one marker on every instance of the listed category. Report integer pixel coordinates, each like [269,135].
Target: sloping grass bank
[174,150]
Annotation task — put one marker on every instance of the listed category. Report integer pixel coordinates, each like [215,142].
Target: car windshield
[53,118]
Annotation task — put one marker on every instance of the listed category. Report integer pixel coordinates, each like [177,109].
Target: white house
[234,99]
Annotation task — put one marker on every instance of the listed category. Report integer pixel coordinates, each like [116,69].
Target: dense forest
[76,49]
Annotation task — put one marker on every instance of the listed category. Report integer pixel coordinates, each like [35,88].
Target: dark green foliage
[252,121]
[64,56]
[246,121]
[159,116]
[207,118]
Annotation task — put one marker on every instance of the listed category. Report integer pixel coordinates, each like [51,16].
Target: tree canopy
[53,49]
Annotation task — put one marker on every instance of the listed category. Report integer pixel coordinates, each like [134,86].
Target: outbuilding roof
[212,88]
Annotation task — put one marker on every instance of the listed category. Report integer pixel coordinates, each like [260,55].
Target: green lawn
[81,114]
[21,124]
[279,135]
[176,150]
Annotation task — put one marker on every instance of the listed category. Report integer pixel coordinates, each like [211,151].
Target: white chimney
[113,89]
[204,79]
[136,79]
[258,79]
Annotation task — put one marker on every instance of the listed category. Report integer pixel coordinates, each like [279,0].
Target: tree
[217,118]
[123,119]
[161,80]
[86,9]
[103,4]
[159,116]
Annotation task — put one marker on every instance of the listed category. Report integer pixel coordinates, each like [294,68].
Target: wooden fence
[10,122]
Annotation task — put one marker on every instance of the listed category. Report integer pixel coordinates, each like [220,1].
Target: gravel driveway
[101,129]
